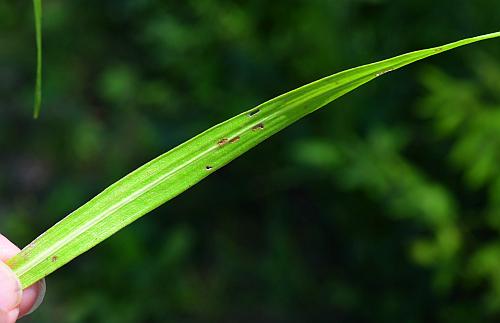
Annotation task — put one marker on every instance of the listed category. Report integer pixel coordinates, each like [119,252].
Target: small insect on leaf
[260,126]
[234,140]
[222,142]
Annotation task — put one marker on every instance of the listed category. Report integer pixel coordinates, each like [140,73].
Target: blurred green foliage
[384,207]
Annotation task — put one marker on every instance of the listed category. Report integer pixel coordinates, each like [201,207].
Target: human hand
[14,302]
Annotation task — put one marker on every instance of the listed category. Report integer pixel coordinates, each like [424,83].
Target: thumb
[10,294]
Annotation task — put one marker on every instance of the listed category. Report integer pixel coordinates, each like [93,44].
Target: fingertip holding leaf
[177,170]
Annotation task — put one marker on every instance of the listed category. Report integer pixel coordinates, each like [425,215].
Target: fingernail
[10,289]
[42,287]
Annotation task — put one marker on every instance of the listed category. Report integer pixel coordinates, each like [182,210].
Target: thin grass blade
[37,6]
[182,167]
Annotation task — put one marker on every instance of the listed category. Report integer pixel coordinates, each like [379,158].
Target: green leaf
[177,170]
[37,6]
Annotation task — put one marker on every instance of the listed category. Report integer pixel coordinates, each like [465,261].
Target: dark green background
[382,207]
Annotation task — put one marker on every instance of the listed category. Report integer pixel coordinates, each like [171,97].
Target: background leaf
[37,5]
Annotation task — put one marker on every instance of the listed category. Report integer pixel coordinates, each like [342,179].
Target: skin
[15,302]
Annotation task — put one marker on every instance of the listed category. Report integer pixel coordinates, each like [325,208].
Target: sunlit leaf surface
[177,170]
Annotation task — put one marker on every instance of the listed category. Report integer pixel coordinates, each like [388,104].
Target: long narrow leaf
[177,170]
[37,6]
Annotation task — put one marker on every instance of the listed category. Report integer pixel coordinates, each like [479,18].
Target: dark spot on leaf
[54,258]
[254,112]
[235,139]
[222,142]
[208,167]
[260,126]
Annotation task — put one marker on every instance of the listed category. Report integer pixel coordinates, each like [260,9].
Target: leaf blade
[175,171]
[37,8]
